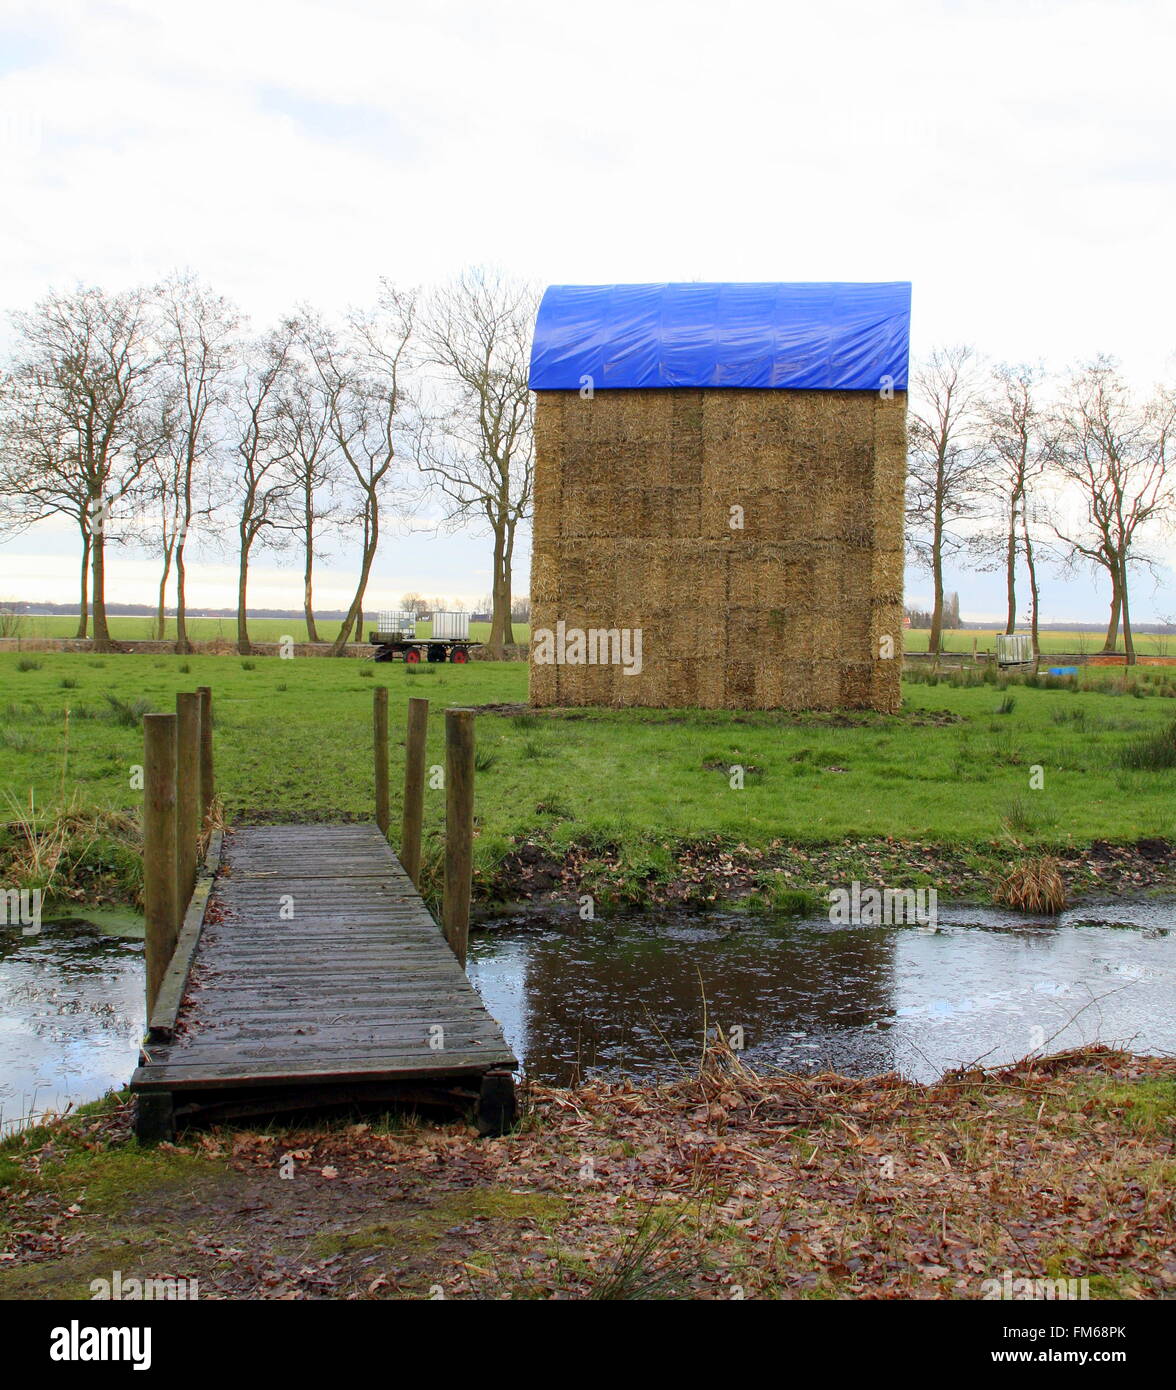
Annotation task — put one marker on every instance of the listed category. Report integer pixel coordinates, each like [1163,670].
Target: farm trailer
[395,638]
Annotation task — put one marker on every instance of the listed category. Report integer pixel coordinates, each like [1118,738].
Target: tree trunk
[1128,636]
[1112,641]
[499,601]
[935,640]
[243,645]
[308,573]
[183,646]
[507,577]
[84,607]
[1011,567]
[161,609]
[371,540]
[1031,564]
[101,641]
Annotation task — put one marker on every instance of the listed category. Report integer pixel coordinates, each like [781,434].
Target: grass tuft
[1033,885]
[128,713]
[1154,752]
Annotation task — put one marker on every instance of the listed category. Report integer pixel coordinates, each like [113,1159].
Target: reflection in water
[71,1016]
[583,998]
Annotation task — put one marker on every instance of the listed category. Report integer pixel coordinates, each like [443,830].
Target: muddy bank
[712,872]
[100,866]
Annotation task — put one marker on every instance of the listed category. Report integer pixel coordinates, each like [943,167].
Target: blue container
[1063,670]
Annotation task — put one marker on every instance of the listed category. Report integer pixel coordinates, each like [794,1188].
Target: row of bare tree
[1007,468]
[152,415]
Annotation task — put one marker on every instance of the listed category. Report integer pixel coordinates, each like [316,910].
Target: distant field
[1074,643]
[142,629]
[273,629]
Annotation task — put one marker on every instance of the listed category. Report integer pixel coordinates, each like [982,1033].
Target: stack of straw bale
[634,491]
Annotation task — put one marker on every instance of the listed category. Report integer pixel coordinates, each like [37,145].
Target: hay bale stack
[634,491]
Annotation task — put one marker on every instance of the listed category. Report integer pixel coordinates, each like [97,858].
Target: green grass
[1075,641]
[293,742]
[1155,751]
[142,629]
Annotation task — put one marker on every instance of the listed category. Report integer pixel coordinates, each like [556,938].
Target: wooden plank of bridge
[321,966]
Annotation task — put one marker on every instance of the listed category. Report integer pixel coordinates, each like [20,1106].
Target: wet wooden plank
[320,962]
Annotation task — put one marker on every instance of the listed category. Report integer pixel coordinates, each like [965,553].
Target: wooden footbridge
[305,969]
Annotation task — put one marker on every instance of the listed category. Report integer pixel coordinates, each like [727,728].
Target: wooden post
[459,828]
[413,810]
[187,793]
[380,743]
[160,890]
[207,778]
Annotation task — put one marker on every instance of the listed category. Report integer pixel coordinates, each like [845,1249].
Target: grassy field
[130,629]
[293,742]
[1074,643]
[142,629]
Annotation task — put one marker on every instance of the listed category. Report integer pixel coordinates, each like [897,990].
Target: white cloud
[1013,160]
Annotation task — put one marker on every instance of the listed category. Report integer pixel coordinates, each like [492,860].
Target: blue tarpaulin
[775,337]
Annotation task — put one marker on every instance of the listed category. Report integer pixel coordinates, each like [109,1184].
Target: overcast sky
[1015,161]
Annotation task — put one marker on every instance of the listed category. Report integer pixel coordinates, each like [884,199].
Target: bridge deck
[318,966]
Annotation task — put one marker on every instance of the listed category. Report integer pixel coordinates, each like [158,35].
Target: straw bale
[544,684]
[633,498]
[857,679]
[740,684]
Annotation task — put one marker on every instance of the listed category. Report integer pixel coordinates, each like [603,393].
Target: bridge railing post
[187,793]
[380,751]
[459,829]
[207,777]
[160,885]
[412,812]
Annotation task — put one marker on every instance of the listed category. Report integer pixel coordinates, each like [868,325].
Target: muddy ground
[721,1185]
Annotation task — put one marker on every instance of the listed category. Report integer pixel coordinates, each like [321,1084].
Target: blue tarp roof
[829,336]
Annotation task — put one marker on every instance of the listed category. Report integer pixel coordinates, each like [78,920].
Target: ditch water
[626,997]
[71,1013]
[585,998]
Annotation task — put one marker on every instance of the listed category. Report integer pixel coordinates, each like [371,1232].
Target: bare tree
[477,442]
[361,373]
[944,463]
[1019,448]
[39,472]
[306,420]
[199,331]
[163,505]
[263,484]
[78,439]
[1117,455]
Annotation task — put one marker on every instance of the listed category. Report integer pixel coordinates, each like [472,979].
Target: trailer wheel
[412,655]
[436,651]
[459,656]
